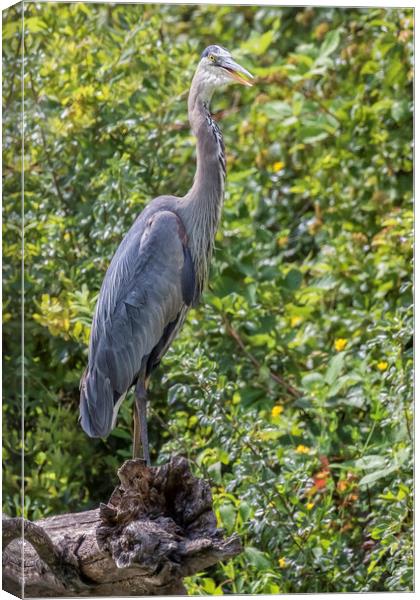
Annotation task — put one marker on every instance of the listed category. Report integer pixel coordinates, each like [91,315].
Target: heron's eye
[212,58]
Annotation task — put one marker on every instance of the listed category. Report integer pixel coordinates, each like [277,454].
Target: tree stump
[157,528]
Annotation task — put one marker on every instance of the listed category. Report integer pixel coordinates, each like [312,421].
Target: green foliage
[310,287]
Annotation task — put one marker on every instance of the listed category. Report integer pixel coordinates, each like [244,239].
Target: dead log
[157,528]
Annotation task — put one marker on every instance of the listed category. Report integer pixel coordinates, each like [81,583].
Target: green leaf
[400,110]
[372,478]
[244,510]
[344,381]
[34,25]
[208,585]
[293,279]
[370,461]
[262,339]
[277,110]
[355,397]
[335,368]
[40,458]
[312,134]
[258,44]
[9,29]
[311,380]
[256,558]
[330,43]
[122,433]
[370,67]
[270,434]
[228,516]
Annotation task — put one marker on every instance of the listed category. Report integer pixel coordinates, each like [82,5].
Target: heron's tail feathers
[96,404]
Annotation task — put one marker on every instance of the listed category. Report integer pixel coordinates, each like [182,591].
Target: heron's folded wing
[149,283]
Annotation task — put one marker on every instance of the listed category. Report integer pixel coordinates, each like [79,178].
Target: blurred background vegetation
[310,287]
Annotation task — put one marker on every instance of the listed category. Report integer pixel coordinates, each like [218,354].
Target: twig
[268,497]
[44,141]
[312,96]
[12,86]
[298,87]
[185,449]
[407,422]
[274,376]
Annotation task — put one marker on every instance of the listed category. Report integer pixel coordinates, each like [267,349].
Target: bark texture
[157,528]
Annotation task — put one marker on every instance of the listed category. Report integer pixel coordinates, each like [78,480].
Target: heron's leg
[140,422]
[136,433]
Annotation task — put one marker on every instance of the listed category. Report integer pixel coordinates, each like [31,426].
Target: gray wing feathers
[144,290]
[95,385]
[189,290]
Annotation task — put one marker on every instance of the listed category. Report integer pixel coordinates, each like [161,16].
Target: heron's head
[217,68]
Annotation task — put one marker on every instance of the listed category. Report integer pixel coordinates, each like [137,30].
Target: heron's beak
[236,71]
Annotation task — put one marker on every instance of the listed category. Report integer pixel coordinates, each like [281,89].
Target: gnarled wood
[157,528]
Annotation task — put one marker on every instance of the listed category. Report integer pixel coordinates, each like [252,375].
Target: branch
[12,85]
[14,528]
[274,376]
[282,79]
[157,528]
[162,518]
[44,140]
[61,563]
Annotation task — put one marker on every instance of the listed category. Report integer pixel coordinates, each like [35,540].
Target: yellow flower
[282,563]
[301,449]
[294,321]
[276,410]
[278,166]
[310,505]
[340,344]
[382,365]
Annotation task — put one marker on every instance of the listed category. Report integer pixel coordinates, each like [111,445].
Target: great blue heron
[159,270]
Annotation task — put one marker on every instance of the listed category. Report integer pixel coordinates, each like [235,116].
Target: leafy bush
[290,386]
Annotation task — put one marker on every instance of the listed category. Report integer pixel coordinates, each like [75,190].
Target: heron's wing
[145,293]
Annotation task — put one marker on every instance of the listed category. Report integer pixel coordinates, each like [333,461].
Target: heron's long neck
[202,205]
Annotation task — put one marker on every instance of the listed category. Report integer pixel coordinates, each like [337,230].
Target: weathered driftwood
[157,528]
